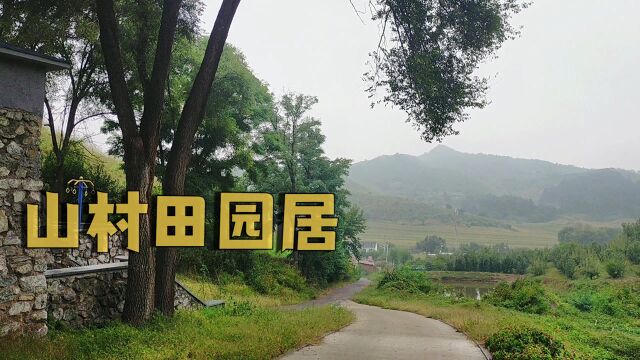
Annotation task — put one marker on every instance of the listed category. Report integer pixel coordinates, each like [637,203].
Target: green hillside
[405,187]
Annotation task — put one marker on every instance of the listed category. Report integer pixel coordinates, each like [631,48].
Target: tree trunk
[139,303]
[60,183]
[167,257]
[140,146]
[180,154]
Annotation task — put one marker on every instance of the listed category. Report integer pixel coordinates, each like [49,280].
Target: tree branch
[115,69]
[154,96]
[193,110]
[93,116]
[54,140]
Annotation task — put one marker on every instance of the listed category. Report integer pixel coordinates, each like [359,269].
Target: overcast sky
[565,91]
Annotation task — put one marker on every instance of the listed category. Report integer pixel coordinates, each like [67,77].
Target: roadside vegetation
[237,330]
[251,324]
[586,319]
[577,300]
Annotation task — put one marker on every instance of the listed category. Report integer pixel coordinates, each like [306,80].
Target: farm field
[520,236]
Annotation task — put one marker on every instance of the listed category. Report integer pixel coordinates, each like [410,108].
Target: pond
[469,284]
[473,291]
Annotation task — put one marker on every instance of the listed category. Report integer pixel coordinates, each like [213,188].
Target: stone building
[23,286]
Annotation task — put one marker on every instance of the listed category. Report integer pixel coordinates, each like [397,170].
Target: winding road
[386,334]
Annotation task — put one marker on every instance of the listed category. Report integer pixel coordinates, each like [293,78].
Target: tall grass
[232,332]
[594,319]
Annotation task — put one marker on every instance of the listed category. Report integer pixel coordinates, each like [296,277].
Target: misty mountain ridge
[495,186]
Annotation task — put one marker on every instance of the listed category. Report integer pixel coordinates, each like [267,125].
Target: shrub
[524,344]
[406,280]
[566,258]
[633,253]
[270,275]
[538,267]
[616,268]
[524,295]
[262,272]
[590,267]
[583,301]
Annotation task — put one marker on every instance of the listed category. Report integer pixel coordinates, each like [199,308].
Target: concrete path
[387,334]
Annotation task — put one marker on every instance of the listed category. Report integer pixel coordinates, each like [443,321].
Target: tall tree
[141,136]
[290,158]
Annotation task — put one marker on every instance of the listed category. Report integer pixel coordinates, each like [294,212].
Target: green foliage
[617,302]
[631,233]
[586,235]
[215,263]
[264,273]
[499,258]
[592,319]
[633,252]
[290,158]
[236,308]
[522,343]
[524,295]
[434,48]
[408,281]
[616,268]
[432,244]
[566,258]
[269,275]
[538,267]
[590,267]
[509,207]
[398,256]
[583,301]
[80,161]
[238,330]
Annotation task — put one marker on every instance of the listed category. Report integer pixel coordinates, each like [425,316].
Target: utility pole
[455,224]
[386,253]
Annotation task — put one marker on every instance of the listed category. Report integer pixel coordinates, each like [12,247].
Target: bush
[583,301]
[524,344]
[616,268]
[566,258]
[407,280]
[538,267]
[270,275]
[590,267]
[633,253]
[524,295]
[260,271]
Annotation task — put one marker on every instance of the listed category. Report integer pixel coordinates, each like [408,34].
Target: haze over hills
[393,187]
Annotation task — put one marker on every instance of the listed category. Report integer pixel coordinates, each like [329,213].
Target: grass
[587,335]
[237,291]
[521,235]
[239,332]
[249,326]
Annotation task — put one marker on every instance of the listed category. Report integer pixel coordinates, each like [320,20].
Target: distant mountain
[605,193]
[496,186]
[502,175]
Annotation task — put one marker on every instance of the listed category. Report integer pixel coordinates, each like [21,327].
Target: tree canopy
[427,55]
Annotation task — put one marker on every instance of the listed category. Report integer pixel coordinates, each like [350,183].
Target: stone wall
[27,296]
[90,299]
[23,287]
[96,298]
[85,254]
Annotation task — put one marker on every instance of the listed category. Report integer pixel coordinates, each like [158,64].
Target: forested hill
[492,186]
